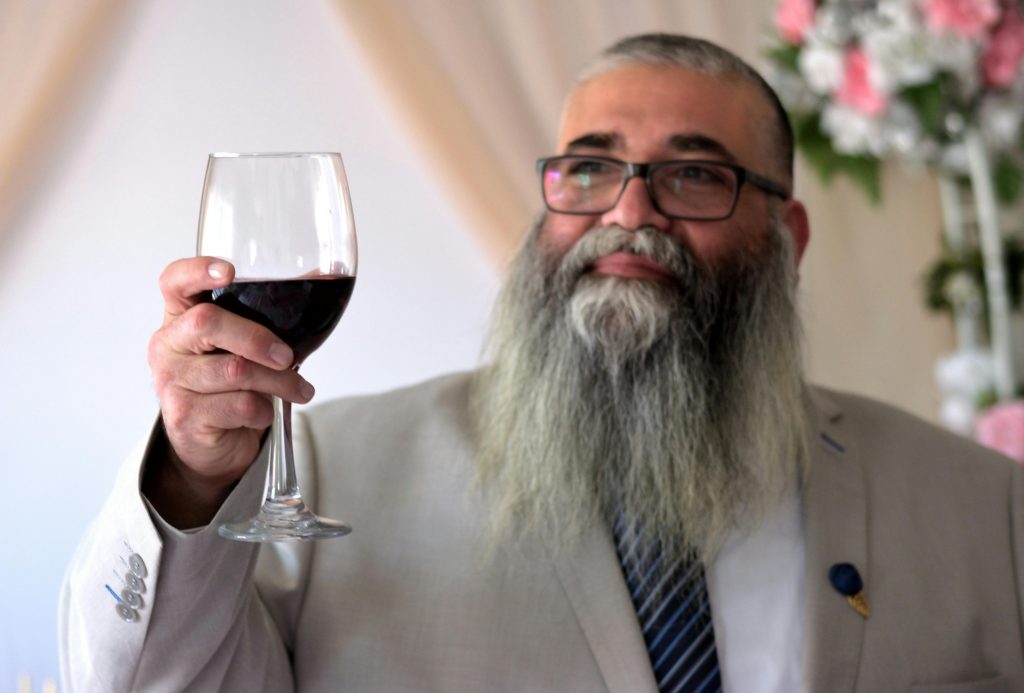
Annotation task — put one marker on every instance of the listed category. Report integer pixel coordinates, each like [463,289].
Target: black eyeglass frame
[646,171]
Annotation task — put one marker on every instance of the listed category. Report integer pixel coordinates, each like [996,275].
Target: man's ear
[794,216]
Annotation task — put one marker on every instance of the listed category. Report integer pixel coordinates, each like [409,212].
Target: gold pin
[847,581]
[860,604]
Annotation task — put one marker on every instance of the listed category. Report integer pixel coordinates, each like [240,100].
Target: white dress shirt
[756,586]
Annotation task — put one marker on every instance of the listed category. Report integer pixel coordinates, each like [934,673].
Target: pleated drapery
[49,49]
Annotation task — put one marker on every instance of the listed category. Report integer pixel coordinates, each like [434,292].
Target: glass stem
[282,485]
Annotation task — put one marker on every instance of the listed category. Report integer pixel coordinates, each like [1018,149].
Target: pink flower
[793,19]
[1002,59]
[970,18]
[1002,428]
[856,90]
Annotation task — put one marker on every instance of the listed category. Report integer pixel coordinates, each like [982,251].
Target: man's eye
[689,175]
[590,167]
[699,173]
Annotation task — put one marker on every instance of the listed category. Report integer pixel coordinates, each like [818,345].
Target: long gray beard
[679,405]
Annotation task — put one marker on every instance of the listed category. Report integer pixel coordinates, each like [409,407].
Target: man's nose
[635,209]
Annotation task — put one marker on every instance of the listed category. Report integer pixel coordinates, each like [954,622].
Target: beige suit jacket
[934,524]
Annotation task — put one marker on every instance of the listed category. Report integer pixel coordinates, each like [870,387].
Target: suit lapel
[593,581]
[835,516]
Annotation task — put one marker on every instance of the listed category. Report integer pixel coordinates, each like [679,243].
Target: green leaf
[987,398]
[785,54]
[816,147]
[865,172]
[935,297]
[1013,254]
[929,102]
[1008,179]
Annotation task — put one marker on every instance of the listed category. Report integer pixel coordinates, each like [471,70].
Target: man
[640,439]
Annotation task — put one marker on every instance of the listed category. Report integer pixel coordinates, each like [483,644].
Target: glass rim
[279,155]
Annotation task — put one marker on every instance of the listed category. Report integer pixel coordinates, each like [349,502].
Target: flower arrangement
[937,84]
[867,80]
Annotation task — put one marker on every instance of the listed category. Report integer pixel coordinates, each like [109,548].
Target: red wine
[302,312]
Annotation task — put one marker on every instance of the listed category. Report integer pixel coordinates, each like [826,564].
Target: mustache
[647,242]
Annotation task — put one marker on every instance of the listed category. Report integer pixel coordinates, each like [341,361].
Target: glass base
[289,521]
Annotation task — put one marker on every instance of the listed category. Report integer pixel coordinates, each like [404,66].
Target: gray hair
[696,54]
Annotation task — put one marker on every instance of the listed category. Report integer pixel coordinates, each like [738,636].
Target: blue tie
[674,613]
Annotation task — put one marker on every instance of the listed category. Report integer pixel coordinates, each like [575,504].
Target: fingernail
[306,390]
[280,354]
[217,270]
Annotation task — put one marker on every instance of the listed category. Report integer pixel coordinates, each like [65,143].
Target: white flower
[902,132]
[1000,118]
[959,56]
[792,90]
[893,39]
[902,14]
[834,22]
[953,158]
[963,292]
[900,49]
[821,64]
[968,372]
[957,413]
[852,132]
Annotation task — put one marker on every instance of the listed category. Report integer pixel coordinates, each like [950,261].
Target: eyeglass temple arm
[767,185]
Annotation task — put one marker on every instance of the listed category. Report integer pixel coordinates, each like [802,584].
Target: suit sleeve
[148,607]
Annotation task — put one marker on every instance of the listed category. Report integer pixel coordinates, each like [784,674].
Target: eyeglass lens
[680,188]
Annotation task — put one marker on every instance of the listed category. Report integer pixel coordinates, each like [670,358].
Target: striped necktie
[674,612]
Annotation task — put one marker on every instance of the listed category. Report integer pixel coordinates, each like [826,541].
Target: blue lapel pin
[847,582]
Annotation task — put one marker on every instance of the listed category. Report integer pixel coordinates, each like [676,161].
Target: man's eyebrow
[700,143]
[607,141]
[594,140]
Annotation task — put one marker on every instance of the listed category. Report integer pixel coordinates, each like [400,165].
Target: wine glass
[284,220]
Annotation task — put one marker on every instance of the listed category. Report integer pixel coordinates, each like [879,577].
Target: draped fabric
[49,50]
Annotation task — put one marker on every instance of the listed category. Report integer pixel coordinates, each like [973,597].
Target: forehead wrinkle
[689,143]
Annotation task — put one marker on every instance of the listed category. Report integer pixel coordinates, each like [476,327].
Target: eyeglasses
[688,189]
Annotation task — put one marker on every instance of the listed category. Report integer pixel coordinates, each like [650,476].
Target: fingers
[184,281]
[224,373]
[195,417]
[215,436]
[193,326]
[181,365]
[213,426]
[205,328]
[215,372]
